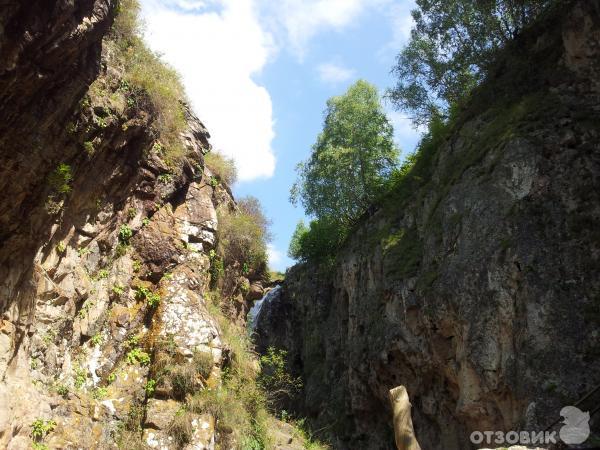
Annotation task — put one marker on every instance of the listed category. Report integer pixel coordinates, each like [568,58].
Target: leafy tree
[318,242]
[451,46]
[351,160]
[295,248]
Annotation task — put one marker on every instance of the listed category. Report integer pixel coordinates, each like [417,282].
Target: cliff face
[479,293]
[104,241]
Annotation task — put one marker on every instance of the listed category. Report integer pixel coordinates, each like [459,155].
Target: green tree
[351,160]
[450,49]
[295,248]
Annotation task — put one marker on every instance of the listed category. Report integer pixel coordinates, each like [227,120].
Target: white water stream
[254,312]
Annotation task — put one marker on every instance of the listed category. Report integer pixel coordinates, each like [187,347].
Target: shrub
[125,234]
[62,390]
[203,363]
[60,180]
[243,237]
[41,427]
[240,404]
[61,248]
[137,355]
[152,298]
[150,387]
[96,339]
[99,393]
[319,242]
[88,146]
[118,289]
[222,167]
[80,377]
[275,379]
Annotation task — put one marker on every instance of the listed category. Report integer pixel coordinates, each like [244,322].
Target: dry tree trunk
[403,427]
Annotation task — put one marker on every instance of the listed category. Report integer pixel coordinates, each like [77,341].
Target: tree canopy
[452,44]
[351,160]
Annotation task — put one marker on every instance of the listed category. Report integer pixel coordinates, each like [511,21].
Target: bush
[60,180]
[275,378]
[152,298]
[319,242]
[125,234]
[243,237]
[222,167]
[137,355]
[40,428]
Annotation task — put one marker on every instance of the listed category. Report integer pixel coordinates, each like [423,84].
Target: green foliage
[85,308]
[80,377]
[60,180]
[131,213]
[99,393]
[145,221]
[452,46]
[41,427]
[96,339]
[112,378]
[146,74]
[351,160]
[137,355]
[102,274]
[39,446]
[61,248]
[62,390]
[125,234]
[216,266]
[222,167]
[243,237]
[165,178]
[275,378]
[152,298]
[150,387]
[137,265]
[118,289]
[88,146]
[319,242]
[295,248]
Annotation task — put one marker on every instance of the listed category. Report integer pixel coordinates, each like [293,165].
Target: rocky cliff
[477,287]
[105,239]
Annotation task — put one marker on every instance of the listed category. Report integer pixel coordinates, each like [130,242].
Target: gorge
[124,297]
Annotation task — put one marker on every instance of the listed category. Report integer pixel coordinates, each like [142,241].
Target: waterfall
[254,312]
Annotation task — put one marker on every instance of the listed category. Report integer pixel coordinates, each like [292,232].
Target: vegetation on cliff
[348,168]
[452,46]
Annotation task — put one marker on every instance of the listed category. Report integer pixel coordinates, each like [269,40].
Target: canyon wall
[105,240]
[479,289]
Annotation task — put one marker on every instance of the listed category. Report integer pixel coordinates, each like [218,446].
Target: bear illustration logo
[576,428]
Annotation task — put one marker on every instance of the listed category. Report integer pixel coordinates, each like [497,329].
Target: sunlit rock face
[479,293]
[96,282]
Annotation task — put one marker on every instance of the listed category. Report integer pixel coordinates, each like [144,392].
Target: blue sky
[258,74]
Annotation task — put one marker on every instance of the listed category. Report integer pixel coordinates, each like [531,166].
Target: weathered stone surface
[480,292]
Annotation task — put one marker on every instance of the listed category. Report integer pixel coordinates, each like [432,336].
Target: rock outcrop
[479,289]
[104,245]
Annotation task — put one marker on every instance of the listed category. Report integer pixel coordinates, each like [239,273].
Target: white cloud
[402,23]
[301,20]
[275,256]
[334,73]
[217,52]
